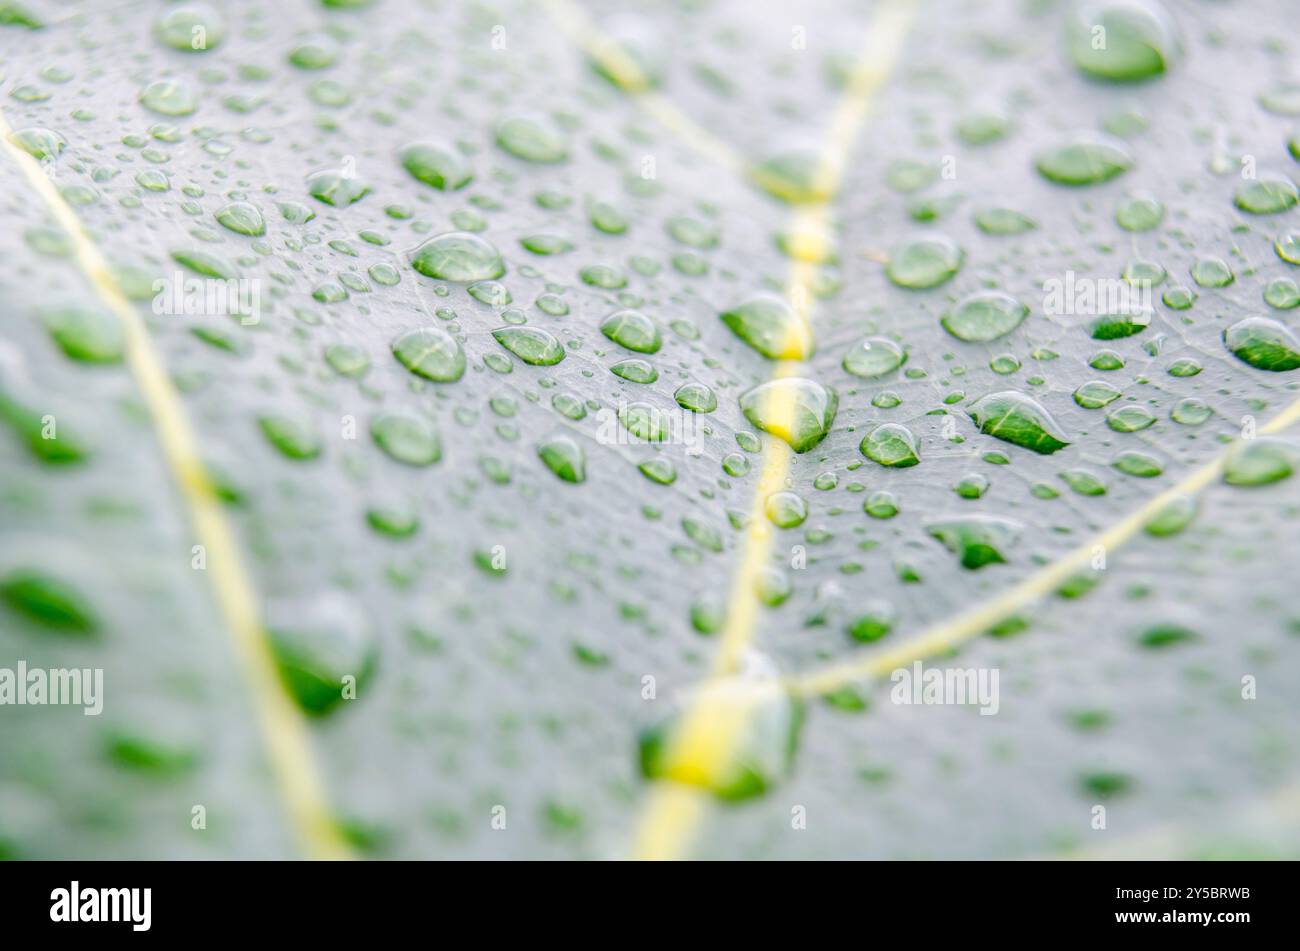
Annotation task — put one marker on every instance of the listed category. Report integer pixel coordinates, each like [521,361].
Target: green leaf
[611,429]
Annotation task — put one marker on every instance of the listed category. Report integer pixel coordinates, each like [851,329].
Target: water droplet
[564,457]
[762,721]
[1004,364]
[1260,461]
[693,232]
[1190,412]
[983,128]
[786,509]
[438,166]
[1139,212]
[632,330]
[295,438]
[874,357]
[924,262]
[316,52]
[536,347]
[1212,272]
[1017,419]
[532,138]
[1003,221]
[1130,419]
[984,316]
[1266,195]
[48,601]
[546,244]
[347,359]
[972,486]
[770,325]
[169,97]
[1118,326]
[1140,464]
[407,439]
[1263,343]
[696,397]
[826,481]
[874,622]
[1173,517]
[635,371]
[91,336]
[644,421]
[659,470]
[792,177]
[181,28]
[1139,273]
[735,465]
[881,504]
[1083,482]
[1165,635]
[242,218]
[31,426]
[603,276]
[796,410]
[458,256]
[891,445]
[432,353]
[1282,98]
[1138,39]
[1287,247]
[1282,293]
[39,143]
[1178,297]
[978,540]
[1087,159]
[336,189]
[317,644]
[1106,360]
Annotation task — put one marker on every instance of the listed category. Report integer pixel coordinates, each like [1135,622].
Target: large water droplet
[438,166]
[1266,195]
[1087,159]
[797,410]
[91,336]
[1017,419]
[169,97]
[242,218]
[1263,343]
[532,138]
[1122,40]
[891,445]
[755,724]
[924,262]
[458,256]
[1260,461]
[978,540]
[322,646]
[406,439]
[533,345]
[874,357]
[432,353]
[984,316]
[563,456]
[770,325]
[633,330]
